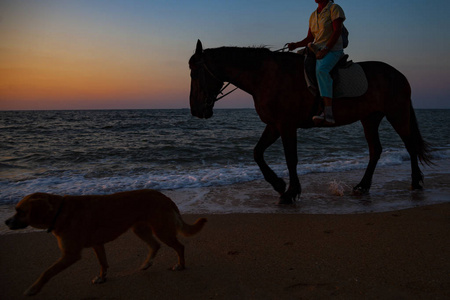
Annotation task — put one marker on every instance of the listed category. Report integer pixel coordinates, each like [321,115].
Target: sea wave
[107,180]
[100,152]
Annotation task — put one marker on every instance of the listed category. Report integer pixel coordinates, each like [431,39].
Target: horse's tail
[423,148]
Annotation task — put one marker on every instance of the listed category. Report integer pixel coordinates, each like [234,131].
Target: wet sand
[390,255]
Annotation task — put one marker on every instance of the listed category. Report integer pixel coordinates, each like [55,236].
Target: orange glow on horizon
[134,54]
[53,78]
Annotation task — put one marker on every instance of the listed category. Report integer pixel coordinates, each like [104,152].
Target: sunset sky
[120,54]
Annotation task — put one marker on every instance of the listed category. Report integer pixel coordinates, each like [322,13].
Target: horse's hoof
[286,202]
[287,199]
[416,186]
[280,186]
[359,191]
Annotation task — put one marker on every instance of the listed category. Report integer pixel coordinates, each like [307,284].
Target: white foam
[78,184]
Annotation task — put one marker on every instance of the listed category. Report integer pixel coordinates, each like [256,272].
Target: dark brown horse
[282,100]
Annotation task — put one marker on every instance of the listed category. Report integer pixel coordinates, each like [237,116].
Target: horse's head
[205,86]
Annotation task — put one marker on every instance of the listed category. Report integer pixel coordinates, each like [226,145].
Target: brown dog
[91,221]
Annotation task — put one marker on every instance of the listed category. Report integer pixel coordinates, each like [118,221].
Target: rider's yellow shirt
[321,25]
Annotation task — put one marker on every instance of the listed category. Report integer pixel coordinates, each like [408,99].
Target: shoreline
[322,193]
[399,254]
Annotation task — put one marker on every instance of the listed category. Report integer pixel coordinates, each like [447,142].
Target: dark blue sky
[133,54]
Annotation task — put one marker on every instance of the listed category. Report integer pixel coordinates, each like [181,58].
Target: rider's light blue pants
[323,68]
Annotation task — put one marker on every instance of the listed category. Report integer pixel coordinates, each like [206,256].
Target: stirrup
[323,120]
[320,117]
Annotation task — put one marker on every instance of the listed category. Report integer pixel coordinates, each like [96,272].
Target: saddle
[349,79]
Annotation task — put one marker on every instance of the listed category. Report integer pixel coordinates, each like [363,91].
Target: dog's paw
[31,291]
[98,280]
[177,267]
[146,265]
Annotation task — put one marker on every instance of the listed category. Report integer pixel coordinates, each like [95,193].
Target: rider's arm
[303,43]
[337,31]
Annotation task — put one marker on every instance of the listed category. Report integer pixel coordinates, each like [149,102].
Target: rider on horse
[325,40]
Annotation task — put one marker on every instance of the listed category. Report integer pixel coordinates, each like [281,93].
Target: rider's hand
[322,53]
[292,46]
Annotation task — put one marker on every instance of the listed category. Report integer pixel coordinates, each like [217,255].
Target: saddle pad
[351,82]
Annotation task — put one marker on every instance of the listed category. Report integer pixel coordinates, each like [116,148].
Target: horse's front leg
[269,136]
[289,138]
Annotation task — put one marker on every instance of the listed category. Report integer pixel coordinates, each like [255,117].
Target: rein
[285,47]
[203,65]
[221,91]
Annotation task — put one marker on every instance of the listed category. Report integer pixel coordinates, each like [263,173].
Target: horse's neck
[264,74]
[240,77]
[236,66]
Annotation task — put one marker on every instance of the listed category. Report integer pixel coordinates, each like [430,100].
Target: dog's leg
[64,262]
[101,256]
[145,233]
[172,241]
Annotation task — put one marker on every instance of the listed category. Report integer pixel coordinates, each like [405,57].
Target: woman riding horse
[325,40]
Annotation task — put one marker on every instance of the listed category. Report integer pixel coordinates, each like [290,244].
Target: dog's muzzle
[15,224]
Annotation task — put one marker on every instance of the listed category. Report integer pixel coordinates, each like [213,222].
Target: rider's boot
[326,116]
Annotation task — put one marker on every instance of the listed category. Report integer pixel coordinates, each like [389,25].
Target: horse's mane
[248,57]
[240,52]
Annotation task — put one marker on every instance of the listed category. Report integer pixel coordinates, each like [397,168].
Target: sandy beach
[391,255]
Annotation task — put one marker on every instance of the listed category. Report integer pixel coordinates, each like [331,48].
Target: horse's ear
[199,48]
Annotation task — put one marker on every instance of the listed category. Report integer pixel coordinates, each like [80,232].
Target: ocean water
[106,151]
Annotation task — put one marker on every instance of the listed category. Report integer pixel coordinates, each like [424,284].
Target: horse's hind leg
[289,137]
[402,127]
[416,174]
[269,136]
[370,125]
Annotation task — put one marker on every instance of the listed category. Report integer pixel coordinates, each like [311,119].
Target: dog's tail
[188,230]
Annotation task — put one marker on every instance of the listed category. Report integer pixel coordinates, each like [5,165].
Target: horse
[283,102]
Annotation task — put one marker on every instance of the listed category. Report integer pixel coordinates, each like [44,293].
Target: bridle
[211,99]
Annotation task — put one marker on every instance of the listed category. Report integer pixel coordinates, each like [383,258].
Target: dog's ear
[41,212]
